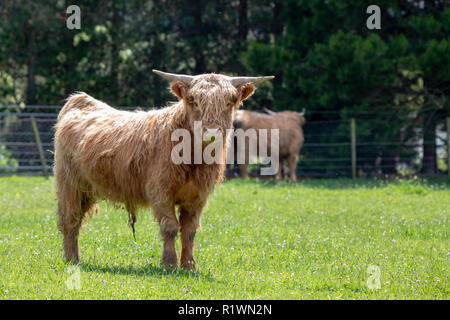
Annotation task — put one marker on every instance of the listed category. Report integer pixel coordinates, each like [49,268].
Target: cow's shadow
[147,270]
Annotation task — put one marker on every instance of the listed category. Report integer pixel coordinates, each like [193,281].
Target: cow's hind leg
[243,170]
[189,221]
[73,206]
[292,161]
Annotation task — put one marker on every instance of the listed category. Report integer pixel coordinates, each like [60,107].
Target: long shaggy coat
[104,153]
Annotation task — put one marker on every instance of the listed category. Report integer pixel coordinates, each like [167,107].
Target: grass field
[259,240]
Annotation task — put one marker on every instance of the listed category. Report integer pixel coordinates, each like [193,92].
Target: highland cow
[104,153]
[291,137]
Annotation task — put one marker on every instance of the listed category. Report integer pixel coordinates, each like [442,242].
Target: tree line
[324,57]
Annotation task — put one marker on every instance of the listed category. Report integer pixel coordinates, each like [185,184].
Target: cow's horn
[237,81]
[267,110]
[303,112]
[175,77]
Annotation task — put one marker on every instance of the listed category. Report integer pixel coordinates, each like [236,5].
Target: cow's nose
[210,132]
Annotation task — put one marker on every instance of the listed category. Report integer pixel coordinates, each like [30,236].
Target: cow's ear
[245,90]
[179,89]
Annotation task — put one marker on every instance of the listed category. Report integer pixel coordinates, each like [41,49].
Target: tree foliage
[324,58]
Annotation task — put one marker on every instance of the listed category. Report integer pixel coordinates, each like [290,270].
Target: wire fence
[332,148]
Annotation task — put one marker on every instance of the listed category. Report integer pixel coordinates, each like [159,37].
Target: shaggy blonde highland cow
[104,153]
[290,140]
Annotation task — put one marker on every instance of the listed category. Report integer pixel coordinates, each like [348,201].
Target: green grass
[259,240]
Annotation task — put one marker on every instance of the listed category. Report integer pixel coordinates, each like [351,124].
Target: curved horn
[267,110]
[237,81]
[175,77]
[303,112]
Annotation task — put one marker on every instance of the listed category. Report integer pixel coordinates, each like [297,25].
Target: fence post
[448,146]
[353,139]
[39,146]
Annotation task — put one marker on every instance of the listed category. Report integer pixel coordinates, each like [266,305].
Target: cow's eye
[194,104]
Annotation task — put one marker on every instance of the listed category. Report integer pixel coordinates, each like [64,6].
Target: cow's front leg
[243,170]
[279,176]
[169,229]
[189,221]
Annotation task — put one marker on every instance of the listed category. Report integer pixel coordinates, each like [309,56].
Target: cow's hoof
[169,265]
[73,259]
[189,264]
[169,261]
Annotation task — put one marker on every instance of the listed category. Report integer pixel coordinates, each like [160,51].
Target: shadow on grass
[342,183]
[147,270]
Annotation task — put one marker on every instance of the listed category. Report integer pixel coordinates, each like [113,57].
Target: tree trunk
[429,144]
[243,21]
[156,56]
[115,53]
[277,22]
[30,98]
[200,63]
[389,162]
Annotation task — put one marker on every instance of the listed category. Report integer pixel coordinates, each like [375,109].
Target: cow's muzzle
[211,133]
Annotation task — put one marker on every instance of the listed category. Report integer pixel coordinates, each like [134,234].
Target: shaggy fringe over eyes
[214,93]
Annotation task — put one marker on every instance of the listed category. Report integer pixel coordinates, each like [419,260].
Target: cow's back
[290,131]
[102,148]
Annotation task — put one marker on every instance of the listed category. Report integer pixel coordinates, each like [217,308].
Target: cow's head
[299,117]
[211,98]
